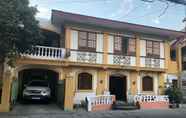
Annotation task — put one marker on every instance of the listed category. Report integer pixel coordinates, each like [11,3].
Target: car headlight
[44,93]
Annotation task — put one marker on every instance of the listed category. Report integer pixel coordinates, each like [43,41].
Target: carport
[33,74]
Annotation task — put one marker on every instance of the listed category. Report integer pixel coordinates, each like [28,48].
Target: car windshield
[38,83]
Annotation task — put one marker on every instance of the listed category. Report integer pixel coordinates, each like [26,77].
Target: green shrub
[175,95]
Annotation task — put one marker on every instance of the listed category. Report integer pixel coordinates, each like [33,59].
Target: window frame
[128,50]
[120,44]
[173,55]
[87,39]
[79,84]
[142,83]
[152,48]
[123,51]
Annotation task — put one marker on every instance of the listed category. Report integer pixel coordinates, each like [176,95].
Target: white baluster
[57,53]
[61,53]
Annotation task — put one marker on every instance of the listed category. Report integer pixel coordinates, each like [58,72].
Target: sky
[132,11]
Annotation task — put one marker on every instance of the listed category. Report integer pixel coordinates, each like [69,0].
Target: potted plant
[175,96]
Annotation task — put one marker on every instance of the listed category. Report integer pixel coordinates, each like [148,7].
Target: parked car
[37,90]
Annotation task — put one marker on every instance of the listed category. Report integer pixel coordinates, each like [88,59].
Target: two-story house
[87,56]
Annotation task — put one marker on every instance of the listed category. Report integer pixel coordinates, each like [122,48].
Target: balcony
[54,53]
[152,62]
[48,53]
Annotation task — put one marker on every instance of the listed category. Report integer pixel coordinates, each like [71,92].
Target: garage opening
[118,87]
[40,85]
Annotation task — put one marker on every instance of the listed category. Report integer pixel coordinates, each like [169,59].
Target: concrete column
[102,82]
[167,54]
[69,90]
[161,84]
[137,52]
[105,48]
[67,37]
[134,82]
[6,92]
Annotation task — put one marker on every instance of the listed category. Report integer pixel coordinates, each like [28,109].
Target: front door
[118,87]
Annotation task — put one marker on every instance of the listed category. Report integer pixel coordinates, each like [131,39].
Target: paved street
[52,111]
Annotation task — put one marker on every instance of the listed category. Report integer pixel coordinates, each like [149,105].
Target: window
[124,45]
[132,47]
[173,54]
[84,81]
[153,49]
[147,83]
[87,41]
[117,44]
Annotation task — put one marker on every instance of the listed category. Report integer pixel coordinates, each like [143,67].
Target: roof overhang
[62,18]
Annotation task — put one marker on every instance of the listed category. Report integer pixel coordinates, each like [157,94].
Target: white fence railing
[151,98]
[98,100]
[86,57]
[43,52]
[122,60]
[152,62]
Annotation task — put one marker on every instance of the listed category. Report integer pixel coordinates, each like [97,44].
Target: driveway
[52,111]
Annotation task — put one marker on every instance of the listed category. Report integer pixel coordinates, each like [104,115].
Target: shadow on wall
[1,82]
[1,86]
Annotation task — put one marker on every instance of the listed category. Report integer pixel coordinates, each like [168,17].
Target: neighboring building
[87,56]
[180,44]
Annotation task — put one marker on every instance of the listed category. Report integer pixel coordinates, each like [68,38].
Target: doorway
[118,87]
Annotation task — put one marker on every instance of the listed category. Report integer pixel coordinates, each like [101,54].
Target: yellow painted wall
[69,90]
[5,105]
[161,83]
[137,52]
[133,82]
[171,66]
[67,37]
[105,48]
[102,79]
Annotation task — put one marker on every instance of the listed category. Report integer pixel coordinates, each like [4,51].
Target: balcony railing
[152,62]
[43,52]
[122,60]
[86,57]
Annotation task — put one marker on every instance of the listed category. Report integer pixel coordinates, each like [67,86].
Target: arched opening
[118,87]
[84,81]
[36,81]
[147,83]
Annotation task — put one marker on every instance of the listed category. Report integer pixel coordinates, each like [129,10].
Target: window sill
[147,92]
[88,90]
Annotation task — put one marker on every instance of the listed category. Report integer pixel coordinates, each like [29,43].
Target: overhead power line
[182,2]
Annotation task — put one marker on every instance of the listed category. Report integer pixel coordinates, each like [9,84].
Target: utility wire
[150,13]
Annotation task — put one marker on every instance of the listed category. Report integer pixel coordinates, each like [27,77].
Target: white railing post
[46,53]
[151,98]
[98,100]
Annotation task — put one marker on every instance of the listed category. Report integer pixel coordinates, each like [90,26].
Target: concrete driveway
[52,111]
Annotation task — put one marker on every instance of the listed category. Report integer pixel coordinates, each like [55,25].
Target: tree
[19,29]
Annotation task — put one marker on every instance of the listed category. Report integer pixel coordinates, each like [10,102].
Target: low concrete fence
[100,102]
[152,101]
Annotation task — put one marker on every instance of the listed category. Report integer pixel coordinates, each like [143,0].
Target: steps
[121,105]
